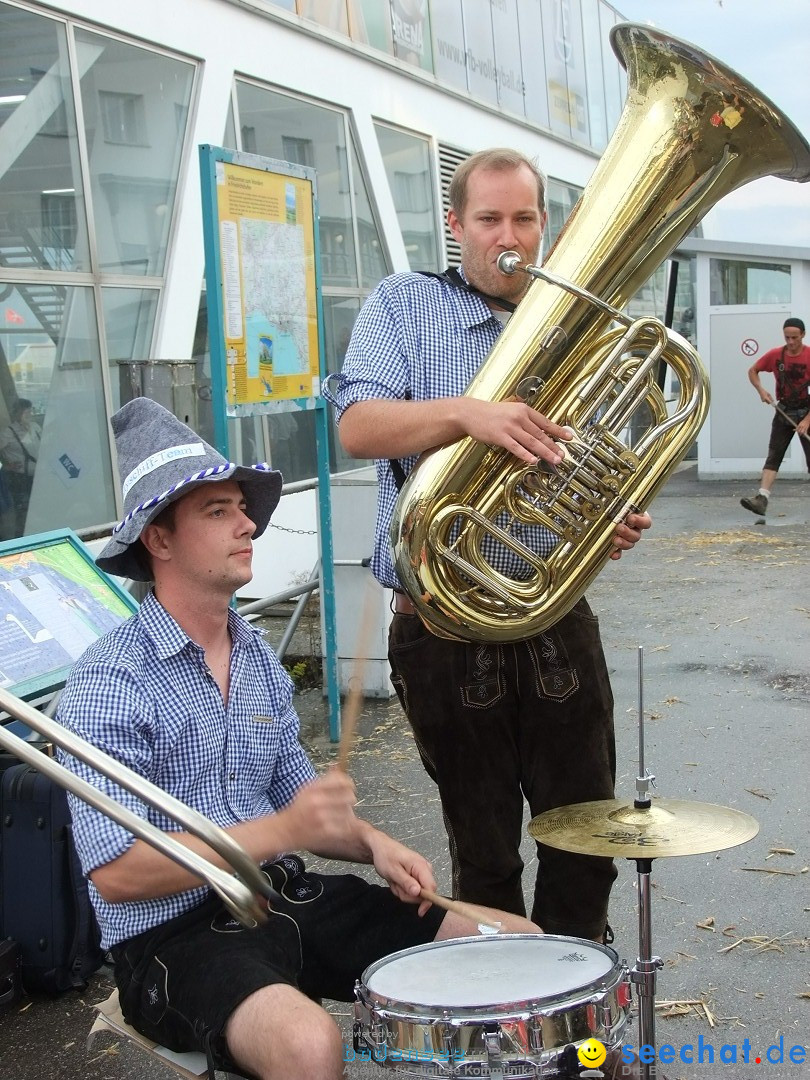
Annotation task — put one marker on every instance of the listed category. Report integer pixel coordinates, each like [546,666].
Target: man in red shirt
[791,367]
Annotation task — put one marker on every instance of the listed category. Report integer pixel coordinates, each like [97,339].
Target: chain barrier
[299,532]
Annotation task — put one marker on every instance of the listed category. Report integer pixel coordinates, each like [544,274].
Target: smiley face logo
[592,1053]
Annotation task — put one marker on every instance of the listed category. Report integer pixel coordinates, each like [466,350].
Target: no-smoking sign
[750,347]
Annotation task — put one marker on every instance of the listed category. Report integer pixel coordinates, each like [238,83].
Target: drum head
[489,970]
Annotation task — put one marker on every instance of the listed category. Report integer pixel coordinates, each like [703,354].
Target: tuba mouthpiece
[508,262]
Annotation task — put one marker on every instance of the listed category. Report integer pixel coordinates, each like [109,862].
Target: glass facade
[563,54]
[547,60]
[54,446]
[92,130]
[592,37]
[735,281]
[93,140]
[408,166]
[135,108]
[42,190]
[652,297]
[129,322]
[560,201]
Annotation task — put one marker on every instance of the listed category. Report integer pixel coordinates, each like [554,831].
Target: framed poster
[54,603]
[263,292]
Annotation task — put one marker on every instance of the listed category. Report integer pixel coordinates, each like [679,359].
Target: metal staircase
[21,249]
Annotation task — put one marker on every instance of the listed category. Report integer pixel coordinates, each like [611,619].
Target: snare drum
[491,1006]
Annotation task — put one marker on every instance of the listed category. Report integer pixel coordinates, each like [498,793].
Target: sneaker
[757,505]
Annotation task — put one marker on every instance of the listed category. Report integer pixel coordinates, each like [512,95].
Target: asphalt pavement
[720,605]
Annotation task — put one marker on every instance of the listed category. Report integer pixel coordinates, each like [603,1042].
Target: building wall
[102,108]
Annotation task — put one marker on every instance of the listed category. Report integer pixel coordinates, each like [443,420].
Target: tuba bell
[692,131]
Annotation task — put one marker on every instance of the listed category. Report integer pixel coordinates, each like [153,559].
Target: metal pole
[644,779]
[295,618]
[669,315]
[644,975]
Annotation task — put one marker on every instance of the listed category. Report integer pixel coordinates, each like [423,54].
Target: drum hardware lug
[535,1027]
[448,1040]
[357,1028]
[602,1013]
[378,1037]
[605,1014]
[624,988]
[493,1047]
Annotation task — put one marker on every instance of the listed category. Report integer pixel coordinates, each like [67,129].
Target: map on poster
[275,287]
[54,602]
[266,254]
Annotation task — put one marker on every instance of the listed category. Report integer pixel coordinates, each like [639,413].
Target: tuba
[691,132]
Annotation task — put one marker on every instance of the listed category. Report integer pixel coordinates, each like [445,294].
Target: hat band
[154,461]
[203,474]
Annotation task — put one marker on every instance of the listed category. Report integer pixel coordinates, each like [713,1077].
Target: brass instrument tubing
[239,895]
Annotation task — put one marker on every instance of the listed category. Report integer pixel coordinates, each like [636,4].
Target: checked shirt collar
[169,639]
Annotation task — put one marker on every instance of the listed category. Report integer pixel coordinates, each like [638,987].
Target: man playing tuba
[493,722]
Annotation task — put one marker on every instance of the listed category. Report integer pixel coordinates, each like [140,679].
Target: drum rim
[602,985]
[486,938]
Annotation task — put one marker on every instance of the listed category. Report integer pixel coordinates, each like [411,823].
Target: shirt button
[232,776]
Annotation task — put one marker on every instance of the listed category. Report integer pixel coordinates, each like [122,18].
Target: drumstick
[354,699]
[466,911]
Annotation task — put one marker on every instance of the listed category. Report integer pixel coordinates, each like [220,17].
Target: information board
[54,603]
[262,258]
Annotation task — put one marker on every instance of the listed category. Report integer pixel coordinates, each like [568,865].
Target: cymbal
[669,827]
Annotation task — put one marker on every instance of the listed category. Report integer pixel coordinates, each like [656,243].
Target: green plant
[298,672]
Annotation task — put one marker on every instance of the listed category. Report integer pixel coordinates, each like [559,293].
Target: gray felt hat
[160,459]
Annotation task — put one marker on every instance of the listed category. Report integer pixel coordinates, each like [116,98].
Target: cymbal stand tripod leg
[644,974]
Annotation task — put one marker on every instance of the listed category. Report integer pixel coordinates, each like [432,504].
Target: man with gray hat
[187,694]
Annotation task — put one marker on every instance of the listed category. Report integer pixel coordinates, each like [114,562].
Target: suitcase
[45,906]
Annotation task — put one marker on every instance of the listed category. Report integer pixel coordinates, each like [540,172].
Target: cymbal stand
[644,973]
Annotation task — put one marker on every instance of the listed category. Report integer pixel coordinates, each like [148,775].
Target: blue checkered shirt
[144,695]
[421,338]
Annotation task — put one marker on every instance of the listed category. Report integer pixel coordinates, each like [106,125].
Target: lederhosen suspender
[453,277]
